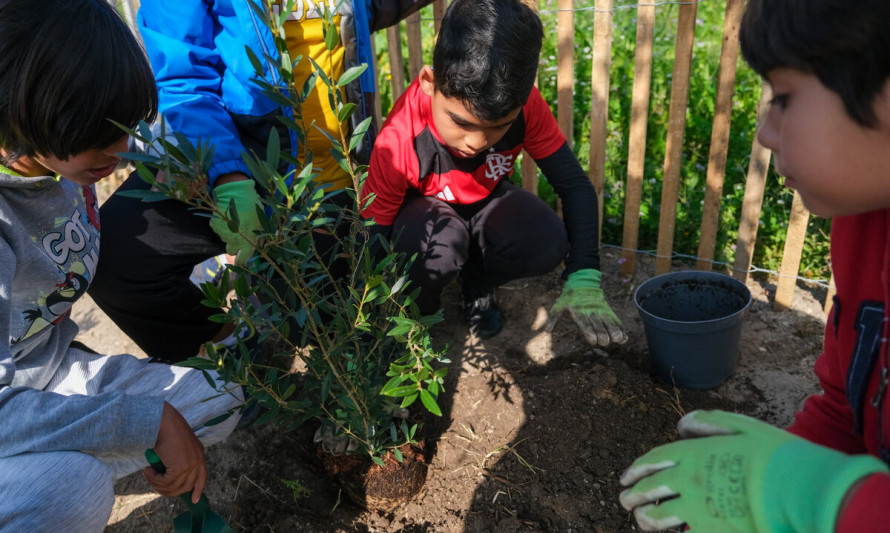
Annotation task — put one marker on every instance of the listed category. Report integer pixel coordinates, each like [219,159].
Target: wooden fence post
[599,99]
[673,156]
[797,228]
[755,184]
[637,144]
[729,56]
[529,170]
[565,76]
[378,105]
[439,12]
[829,298]
[415,45]
[396,64]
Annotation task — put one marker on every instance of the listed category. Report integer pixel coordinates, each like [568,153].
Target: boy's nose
[476,141]
[768,135]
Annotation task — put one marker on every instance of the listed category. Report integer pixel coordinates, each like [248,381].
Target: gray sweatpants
[71,491]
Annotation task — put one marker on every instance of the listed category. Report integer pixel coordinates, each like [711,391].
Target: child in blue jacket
[207,92]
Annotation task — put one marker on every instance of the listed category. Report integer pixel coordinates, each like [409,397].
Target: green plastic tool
[199,518]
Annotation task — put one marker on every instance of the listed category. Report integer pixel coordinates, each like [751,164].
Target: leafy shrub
[347,349]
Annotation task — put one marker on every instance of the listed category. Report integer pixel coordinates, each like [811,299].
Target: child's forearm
[579,205]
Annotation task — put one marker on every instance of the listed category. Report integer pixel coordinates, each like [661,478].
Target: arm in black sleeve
[579,207]
[385,13]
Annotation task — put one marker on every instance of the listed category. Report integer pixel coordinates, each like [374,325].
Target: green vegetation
[706,59]
[341,341]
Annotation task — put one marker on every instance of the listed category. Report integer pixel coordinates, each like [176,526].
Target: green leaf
[408,400]
[273,148]
[346,111]
[378,460]
[341,160]
[219,419]
[145,196]
[321,73]
[331,35]
[401,391]
[255,61]
[198,362]
[392,384]
[351,74]
[141,157]
[308,86]
[289,392]
[429,402]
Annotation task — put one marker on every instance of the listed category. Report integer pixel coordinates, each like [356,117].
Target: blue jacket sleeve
[179,38]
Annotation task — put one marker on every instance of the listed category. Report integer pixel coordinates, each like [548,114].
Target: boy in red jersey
[439,175]
[828,63]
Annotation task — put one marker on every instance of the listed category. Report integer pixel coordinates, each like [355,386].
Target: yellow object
[304,32]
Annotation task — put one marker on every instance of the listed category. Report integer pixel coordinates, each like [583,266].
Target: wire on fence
[752,269]
[594,9]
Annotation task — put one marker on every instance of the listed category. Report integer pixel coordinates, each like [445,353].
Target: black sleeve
[579,207]
[385,13]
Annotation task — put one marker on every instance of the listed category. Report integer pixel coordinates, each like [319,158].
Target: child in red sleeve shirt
[828,64]
[440,168]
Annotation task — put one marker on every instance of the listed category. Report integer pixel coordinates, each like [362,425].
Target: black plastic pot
[693,323]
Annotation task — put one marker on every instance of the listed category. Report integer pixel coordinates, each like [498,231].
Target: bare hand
[183,455]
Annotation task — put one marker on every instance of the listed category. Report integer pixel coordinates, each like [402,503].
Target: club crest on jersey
[499,165]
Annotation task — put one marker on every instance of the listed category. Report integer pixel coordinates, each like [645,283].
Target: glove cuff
[804,485]
[235,190]
[584,278]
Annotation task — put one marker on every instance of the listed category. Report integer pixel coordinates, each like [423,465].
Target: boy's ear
[427,80]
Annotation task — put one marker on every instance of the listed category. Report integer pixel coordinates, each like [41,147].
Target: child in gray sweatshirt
[73,421]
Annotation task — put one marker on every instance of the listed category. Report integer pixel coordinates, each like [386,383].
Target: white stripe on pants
[72,491]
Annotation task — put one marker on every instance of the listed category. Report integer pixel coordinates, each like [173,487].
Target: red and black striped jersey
[409,154]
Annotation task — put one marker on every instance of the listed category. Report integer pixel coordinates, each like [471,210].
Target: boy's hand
[737,474]
[183,456]
[584,300]
[246,201]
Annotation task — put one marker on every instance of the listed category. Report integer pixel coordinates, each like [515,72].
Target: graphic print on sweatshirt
[72,244]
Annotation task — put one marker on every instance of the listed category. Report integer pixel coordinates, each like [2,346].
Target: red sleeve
[542,134]
[393,160]
[827,418]
[868,511]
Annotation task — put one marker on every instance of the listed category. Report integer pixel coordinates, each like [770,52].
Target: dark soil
[536,429]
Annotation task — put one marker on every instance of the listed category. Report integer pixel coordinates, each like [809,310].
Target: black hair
[486,55]
[67,69]
[845,44]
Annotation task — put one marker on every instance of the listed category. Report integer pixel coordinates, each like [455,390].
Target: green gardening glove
[246,220]
[584,300]
[736,474]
